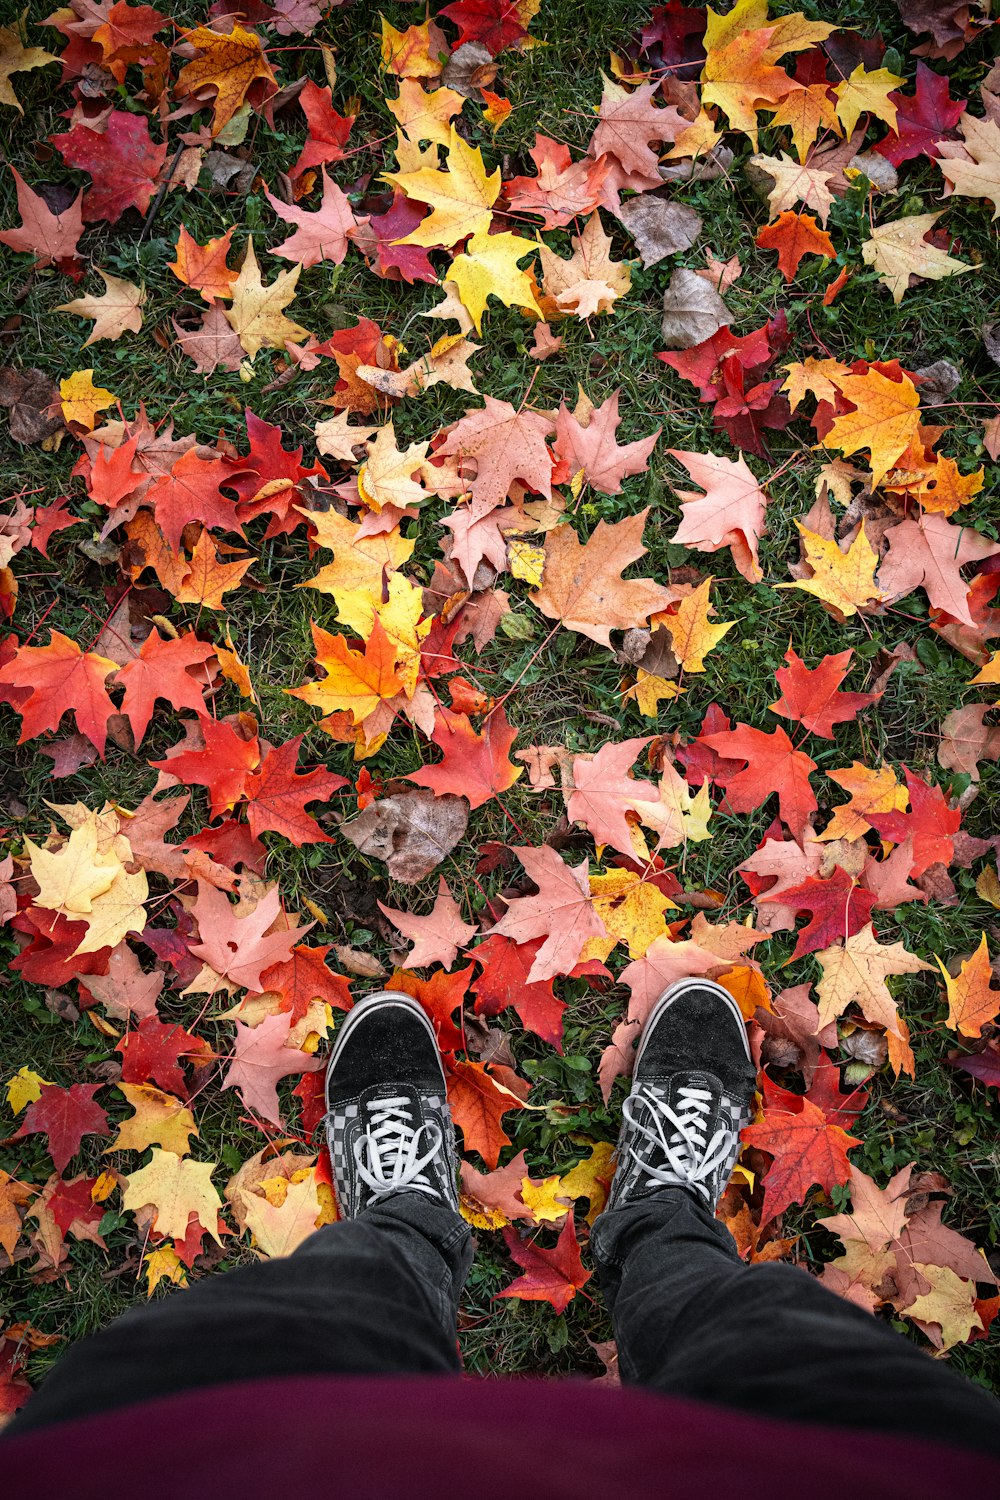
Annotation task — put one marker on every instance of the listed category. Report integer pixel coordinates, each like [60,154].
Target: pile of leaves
[516,771]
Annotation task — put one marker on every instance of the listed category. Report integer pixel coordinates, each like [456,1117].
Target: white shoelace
[393,1143]
[690,1158]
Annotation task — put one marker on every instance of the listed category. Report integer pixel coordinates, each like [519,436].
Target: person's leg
[376,1293]
[690,1318]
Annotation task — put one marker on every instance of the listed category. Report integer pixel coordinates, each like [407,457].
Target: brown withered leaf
[412,831]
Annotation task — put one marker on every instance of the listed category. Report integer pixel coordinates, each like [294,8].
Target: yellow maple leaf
[977,174]
[816,377]
[488,267]
[163,1264]
[649,689]
[425,116]
[353,680]
[24,1088]
[16,58]
[174,1187]
[867,92]
[630,908]
[229,63]
[899,251]
[591,1178]
[257,314]
[844,580]
[805,111]
[413,53]
[872,791]
[119,911]
[158,1120]
[81,399]
[73,877]
[691,633]
[386,476]
[116,311]
[460,196]
[950,1305]
[589,281]
[279,1228]
[854,973]
[359,562]
[543,1200]
[885,419]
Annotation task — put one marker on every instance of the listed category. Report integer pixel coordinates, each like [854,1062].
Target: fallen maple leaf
[507,445]
[436,937]
[123,162]
[729,514]
[843,580]
[461,197]
[976,173]
[504,981]
[928,827]
[812,696]
[562,913]
[277,795]
[928,552]
[807,1151]
[562,191]
[475,766]
[204,267]
[162,670]
[603,793]
[114,313]
[260,1059]
[237,950]
[159,1119]
[855,971]
[320,234]
[65,1115]
[838,907]
[554,1276]
[280,1228]
[222,765]
[478,1105]
[973,1002]
[795,235]
[884,420]
[582,585]
[771,764]
[153,1051]
[175,1188]
[51,238]
[61,678]
[593,447]
[899,250]
[257,314]
[230,63]
[692,634]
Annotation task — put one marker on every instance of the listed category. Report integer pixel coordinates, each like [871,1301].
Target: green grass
[566,692]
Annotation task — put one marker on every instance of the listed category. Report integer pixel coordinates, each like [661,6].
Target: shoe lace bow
[689,1156]
[388,1156]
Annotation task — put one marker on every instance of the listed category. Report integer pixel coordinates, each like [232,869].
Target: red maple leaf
[304,978]
[154,1051]
[48,520]
[700,763]
[744,414]
[109,475]
[795,235]
[553,1276]
[474,765]
[222,766]
[409,263]
[271,479]
[504,981]
[123,163]
[328,131]
[478,1106]
[923,119]
[232,844]
[495,24]
[277,795]
[161,670]
[71,1204]
[440,996]
[62,679]
[65,1115]
[701,363]
[807,1151]
[51,957]
[837,908]
[930,823]
[240,949]
[811,694]
[192,492]
[311,1091]
[772,765]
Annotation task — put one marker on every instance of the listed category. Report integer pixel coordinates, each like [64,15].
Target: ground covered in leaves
[501,501]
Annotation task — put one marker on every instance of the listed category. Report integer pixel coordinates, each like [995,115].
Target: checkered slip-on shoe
[692,1092]
[388,1124]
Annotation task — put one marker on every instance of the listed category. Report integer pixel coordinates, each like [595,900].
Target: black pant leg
[376,1295]
[692,1320]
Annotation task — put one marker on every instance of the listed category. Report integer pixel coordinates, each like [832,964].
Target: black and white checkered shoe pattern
[391,1139]
[684,1132]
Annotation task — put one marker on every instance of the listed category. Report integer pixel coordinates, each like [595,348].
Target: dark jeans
[379,1295]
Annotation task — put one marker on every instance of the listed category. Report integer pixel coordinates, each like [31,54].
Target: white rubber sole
[674,992]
